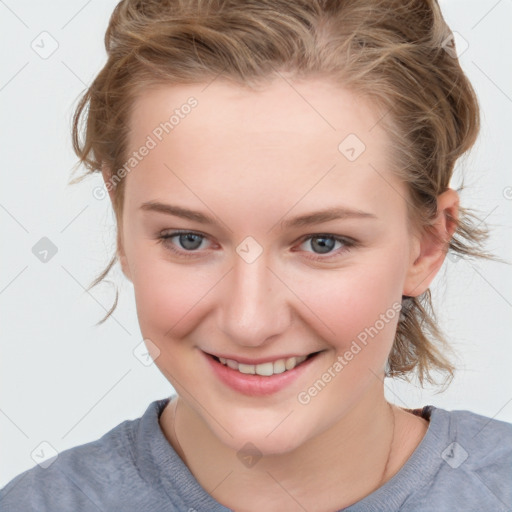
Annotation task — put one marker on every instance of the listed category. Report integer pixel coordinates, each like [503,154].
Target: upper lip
[261,360]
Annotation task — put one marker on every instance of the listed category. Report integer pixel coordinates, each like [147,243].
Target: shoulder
[83,478]
[72,478]
[486,441]
[472,463]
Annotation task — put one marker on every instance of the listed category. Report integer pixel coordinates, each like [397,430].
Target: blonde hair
[392,52]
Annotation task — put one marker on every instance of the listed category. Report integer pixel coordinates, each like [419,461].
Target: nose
[254,305]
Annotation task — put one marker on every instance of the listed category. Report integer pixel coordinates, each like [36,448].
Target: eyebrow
[307,219]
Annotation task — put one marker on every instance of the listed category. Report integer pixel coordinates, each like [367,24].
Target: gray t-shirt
[464,462]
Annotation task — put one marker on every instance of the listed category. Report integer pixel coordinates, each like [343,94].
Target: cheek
[339,305]
[359,303]
[166,293]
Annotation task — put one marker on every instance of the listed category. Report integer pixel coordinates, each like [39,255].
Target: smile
[260,379]
[265,369]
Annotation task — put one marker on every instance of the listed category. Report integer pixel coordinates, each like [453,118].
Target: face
[263,278]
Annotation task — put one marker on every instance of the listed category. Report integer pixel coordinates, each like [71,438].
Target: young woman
[280,177]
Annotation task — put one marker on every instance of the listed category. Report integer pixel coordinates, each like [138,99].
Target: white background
[67,382]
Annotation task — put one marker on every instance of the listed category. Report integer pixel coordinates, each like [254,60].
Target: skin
[252,159]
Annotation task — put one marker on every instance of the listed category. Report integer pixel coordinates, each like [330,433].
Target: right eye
[185,242]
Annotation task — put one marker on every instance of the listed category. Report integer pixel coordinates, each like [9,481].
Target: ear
[107,178]
[429,250]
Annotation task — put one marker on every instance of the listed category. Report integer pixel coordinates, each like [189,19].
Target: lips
[252,384]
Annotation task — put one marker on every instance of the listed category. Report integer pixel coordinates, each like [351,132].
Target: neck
[343,464]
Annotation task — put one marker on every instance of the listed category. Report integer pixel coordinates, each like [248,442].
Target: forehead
[275,143]
[300,109]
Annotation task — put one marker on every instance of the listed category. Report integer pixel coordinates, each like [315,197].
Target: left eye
[323,244]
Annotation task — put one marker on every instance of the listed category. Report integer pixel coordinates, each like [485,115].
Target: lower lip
[257,385]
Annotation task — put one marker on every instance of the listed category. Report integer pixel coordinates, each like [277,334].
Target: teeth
[232,364]
[290,363]
[247,368]
[279,366]
[265,369]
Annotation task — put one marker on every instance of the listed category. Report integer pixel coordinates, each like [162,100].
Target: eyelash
[348,243]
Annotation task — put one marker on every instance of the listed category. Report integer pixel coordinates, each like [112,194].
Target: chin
[264,441]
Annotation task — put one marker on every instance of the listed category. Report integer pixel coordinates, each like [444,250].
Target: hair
[394,53]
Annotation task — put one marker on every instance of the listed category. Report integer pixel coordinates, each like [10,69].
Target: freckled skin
[252,159]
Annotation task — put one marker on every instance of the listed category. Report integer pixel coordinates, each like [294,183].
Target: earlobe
[430,248]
